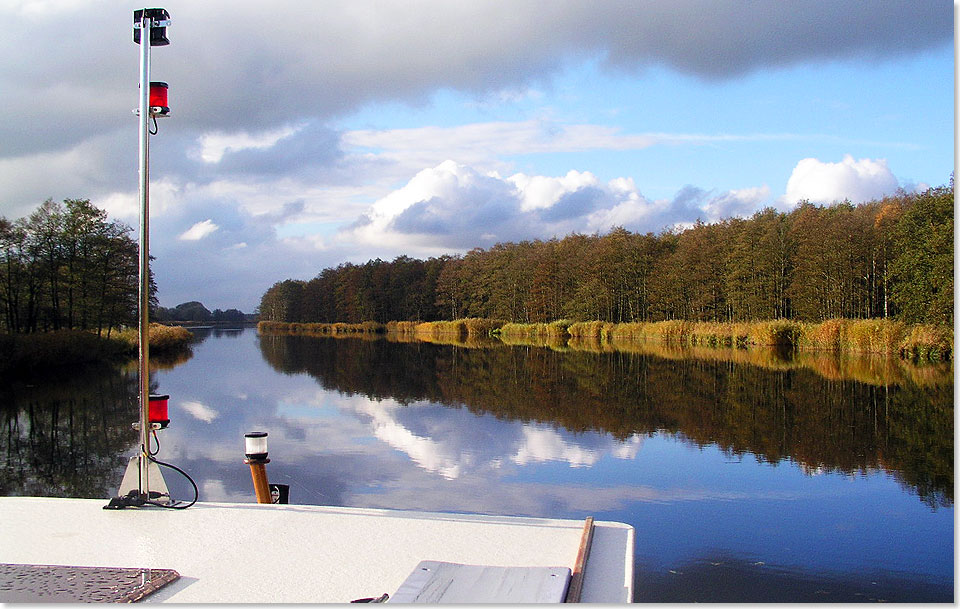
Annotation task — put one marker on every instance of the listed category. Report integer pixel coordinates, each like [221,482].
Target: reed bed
[860,336]
[553,331]
[832,365]
[778,332]
[320,329]
[709,334]
[521,340]
[591,330]
[401,327]
[829,335]
[873,336]
[480,327]
[927,342]
[161,338]
[435,329]
[37,352]
[921,341]
[474,327]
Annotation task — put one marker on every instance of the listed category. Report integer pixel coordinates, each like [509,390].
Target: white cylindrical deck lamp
[255,449]
[255,445]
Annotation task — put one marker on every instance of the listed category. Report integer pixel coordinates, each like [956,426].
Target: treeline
[67,267]
[196,312]
[888,259]
[405,289]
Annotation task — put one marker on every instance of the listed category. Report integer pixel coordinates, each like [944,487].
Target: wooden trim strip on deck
[576,577]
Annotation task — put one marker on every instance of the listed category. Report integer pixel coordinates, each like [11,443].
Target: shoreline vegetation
[40,352]
[889,259]
[916,342]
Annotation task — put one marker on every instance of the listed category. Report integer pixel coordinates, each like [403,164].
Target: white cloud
[199,231]
[214,145]
[441,455]
[199,411]
[213,489]
[737,202]
[435,440]
[454,207]
[120,204]
[542,444]
[824,182]
[483,143]
[541,192]
[42,8]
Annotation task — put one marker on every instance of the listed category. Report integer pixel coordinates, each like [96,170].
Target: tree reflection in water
[67,437]
[396,428]
[824,413]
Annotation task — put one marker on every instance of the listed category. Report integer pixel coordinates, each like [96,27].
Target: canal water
[749,476]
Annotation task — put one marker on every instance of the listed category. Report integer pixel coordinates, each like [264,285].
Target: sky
[303,135]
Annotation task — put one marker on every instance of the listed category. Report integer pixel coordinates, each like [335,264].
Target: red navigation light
[158,410]
[158,98]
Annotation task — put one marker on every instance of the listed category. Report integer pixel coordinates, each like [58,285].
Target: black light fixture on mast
[158,30]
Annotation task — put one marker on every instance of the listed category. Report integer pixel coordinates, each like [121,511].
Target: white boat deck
[251,553]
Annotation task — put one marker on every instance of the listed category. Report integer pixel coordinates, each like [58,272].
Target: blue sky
[735,130]
[300,139]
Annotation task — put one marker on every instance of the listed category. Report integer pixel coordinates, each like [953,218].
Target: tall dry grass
[553,331]
[442,328]
[27,354]
[861,336]
[474,327]
[320,329]
[775,333]
[925,341]
[591,330]
[39,352]
[829,335]
[401,327]
[161,338]
[881,336]
[479,327]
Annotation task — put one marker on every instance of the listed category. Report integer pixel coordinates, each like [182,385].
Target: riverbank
[845,336]
[43,351]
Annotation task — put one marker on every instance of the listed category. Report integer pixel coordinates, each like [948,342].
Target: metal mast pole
[146,24]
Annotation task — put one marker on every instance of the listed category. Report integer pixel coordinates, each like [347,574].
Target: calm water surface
[748,477]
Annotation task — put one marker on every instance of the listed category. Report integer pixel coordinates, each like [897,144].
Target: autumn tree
[283,301]
[67,266]
[887,258]
[923,267]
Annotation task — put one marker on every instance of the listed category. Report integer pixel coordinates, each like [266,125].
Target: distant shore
[860,336]
[36,353]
